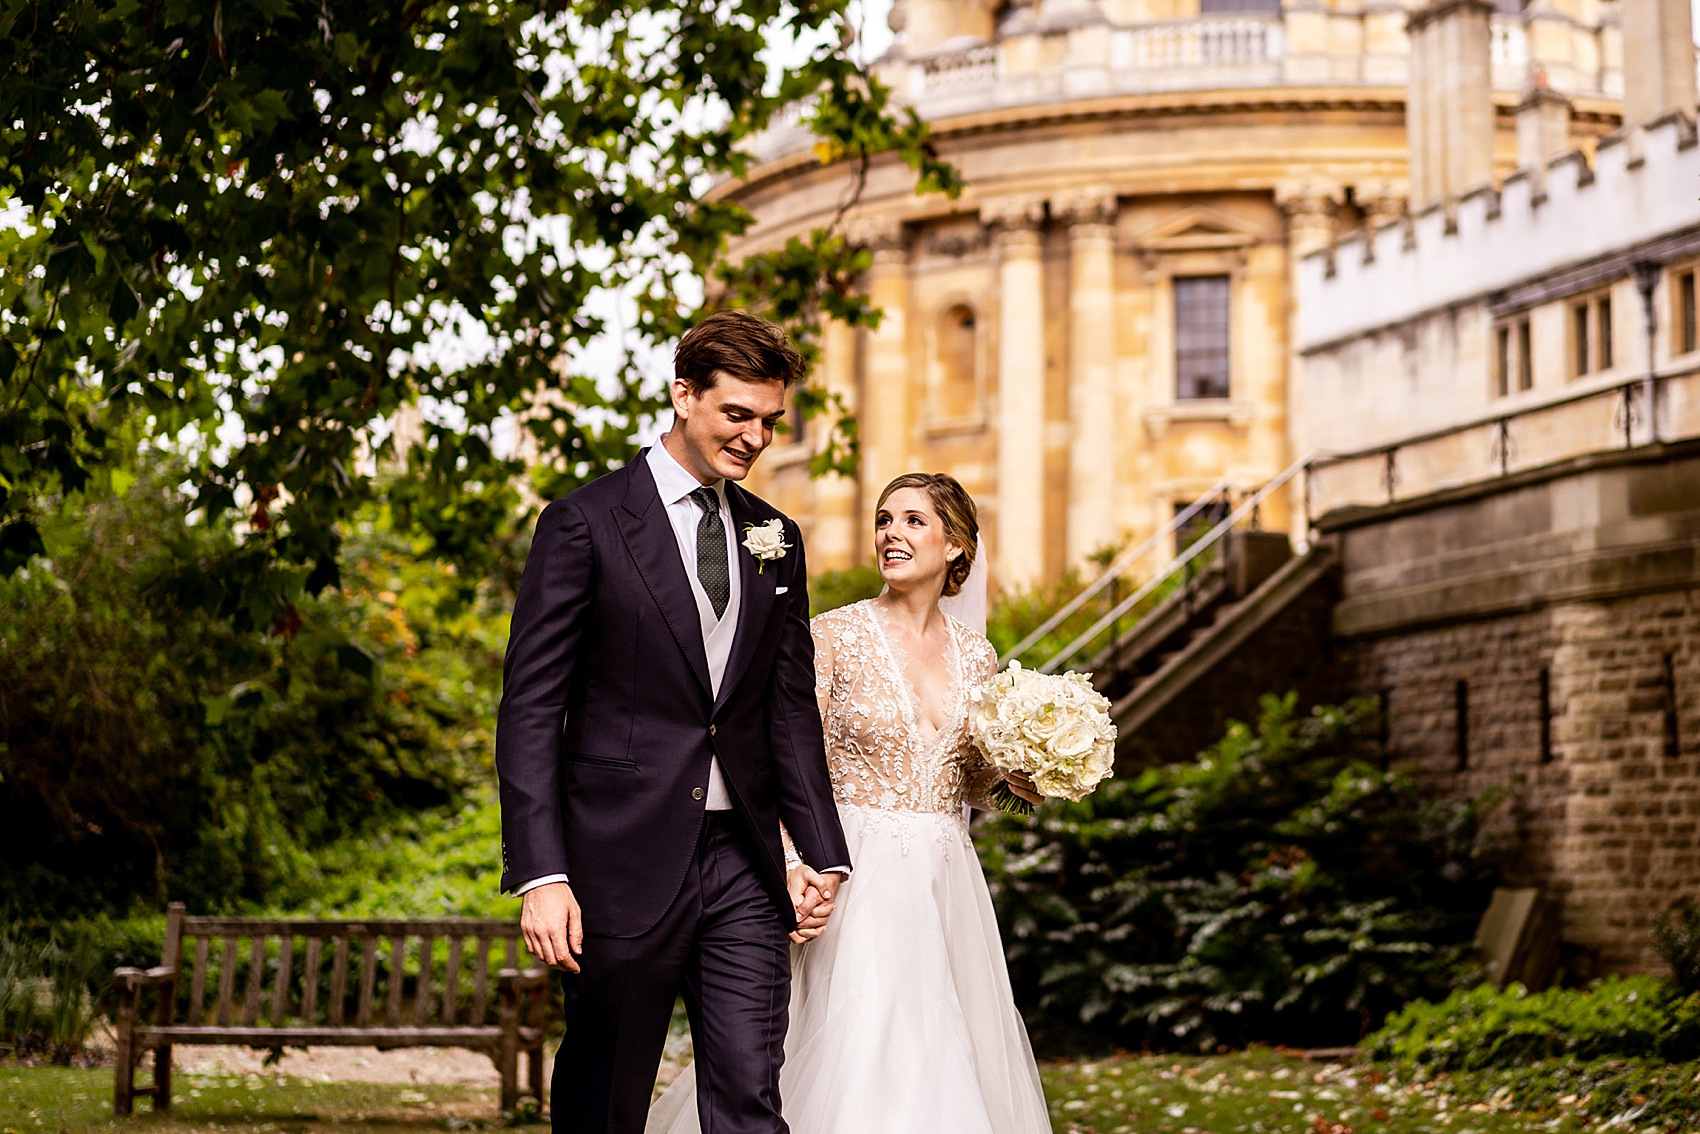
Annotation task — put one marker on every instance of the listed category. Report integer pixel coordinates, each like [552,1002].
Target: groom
[658,721]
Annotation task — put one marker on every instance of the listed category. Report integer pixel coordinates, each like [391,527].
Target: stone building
[1101,326]
[1508,385]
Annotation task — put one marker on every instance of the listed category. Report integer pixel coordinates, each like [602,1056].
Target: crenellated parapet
[1640,185]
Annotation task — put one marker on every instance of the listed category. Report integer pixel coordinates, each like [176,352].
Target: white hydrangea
[1054,727]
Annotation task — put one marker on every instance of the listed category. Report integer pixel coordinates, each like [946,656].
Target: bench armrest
[128,979]
[522,979]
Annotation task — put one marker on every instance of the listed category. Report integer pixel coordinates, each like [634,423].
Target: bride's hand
[1022,784]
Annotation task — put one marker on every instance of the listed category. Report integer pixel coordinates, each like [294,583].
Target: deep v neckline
[911,697]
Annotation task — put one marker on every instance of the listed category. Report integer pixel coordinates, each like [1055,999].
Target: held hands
[1022,785]
[553,926]
[812,897]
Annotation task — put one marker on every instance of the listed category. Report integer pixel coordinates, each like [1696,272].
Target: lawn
[1255,1092]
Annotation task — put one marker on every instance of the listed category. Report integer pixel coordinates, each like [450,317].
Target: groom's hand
[812,895]
[553,926]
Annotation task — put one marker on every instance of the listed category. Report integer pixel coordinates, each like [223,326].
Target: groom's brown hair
[742,345]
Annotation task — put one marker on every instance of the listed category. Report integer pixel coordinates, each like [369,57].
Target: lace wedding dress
[902,1020]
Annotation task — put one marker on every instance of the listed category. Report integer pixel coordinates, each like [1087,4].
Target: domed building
[1099,329]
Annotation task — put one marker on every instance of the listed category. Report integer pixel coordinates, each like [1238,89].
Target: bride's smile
[914,550]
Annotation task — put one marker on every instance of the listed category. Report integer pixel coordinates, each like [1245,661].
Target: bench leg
[124,1071]
[162,1077]
[534,1069]
[508,1065]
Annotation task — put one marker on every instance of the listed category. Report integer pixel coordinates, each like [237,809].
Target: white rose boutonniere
[765,541]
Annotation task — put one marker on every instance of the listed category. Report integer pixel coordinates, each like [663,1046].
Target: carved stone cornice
[957,242]
[884,236]
[1094,207]
[1009,215]
[1442,9]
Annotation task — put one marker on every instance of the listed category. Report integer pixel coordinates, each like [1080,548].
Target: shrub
[48,993]
[1485,1027]
[157,749]
[1276,890]
[1676,936]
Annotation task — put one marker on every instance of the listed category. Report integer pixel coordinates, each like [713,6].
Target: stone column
[1658,59]
[1093,405]
[840,534]
[1449,104]
[1543,129]
[884,411]
[1309,208]
[1019,551]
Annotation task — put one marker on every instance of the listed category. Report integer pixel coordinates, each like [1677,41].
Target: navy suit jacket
[607,724]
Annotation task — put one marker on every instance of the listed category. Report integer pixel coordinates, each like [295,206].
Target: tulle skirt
[902,1019]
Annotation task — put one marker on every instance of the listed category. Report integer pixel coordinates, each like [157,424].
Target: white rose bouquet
[1054,727]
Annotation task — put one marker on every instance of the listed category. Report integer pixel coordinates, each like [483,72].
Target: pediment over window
[1198,227]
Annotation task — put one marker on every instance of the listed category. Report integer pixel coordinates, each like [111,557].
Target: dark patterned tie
[711,551]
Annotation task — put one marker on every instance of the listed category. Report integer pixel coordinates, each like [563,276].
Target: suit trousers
[722,946]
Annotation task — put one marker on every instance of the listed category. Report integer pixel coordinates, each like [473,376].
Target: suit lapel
[756,597]
[655,552]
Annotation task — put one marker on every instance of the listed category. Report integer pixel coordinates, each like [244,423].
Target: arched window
[957,390]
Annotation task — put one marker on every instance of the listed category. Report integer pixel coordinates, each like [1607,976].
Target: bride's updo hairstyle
[957,513]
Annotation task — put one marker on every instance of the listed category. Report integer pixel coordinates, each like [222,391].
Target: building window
[1590,335]
[957,390]
[1217,7]
[1201,337]
[1513,365]
[1684,337]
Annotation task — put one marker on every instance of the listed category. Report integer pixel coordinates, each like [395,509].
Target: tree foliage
[244,230]
[152,751]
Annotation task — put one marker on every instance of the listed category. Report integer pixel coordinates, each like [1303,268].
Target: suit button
[696,793]
[712,730]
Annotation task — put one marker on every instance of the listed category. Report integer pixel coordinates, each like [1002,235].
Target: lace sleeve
[980,776]
[825,655]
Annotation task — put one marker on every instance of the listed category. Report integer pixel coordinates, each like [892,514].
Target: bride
[902,1019]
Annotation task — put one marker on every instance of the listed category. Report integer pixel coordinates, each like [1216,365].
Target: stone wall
[1587,582]
[1602,815]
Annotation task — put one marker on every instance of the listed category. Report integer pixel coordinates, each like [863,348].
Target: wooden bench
[301,983]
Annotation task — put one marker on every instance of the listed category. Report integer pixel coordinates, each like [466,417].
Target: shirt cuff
[536,882]
[844,870]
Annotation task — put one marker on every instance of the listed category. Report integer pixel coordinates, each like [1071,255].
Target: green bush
[1676,936]
[832,589]
[48,991]
[1277,889]
[155,748]
[1485,1027]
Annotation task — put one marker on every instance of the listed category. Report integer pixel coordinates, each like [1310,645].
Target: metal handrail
[1625,389]
[1118,566]
[1208,540]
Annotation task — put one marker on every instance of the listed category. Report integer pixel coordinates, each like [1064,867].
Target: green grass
[65,1101]
[1253,1092]
[1265,1092]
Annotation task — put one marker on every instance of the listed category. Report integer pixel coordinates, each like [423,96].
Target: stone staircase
[1255,621]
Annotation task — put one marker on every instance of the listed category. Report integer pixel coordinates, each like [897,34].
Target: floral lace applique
[876,752]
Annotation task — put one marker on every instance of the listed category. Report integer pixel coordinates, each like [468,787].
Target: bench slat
[480,981]
[331,927]
[339,982]
[310,982]
[368,979]
[226,982]
[451,981]
[422,991]
[398,978]
[256,979]
[285,970]
[198,983]
[464,1036]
